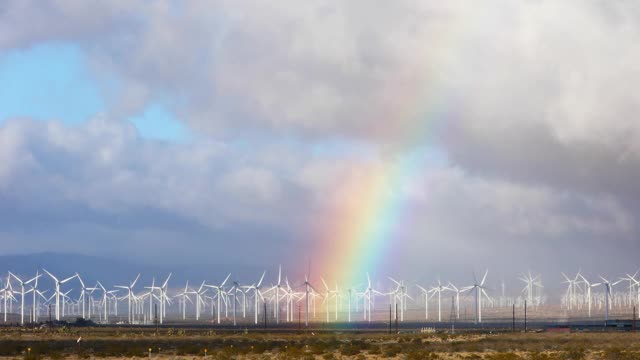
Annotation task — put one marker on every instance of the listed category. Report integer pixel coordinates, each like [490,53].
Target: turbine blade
[484,277]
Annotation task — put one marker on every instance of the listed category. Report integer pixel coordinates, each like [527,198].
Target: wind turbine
[368,296]
[65,300]
[22,294]
[327,297]
[337,297]
[130,296]
[104,299]
[153,288]
[164,299]
[457,291]
[199,300]
[234,292]
[34,308]
[632,278]
[479,290]
[307,287]
[607,284]
[531,283]
[277,291]
[426,301]
[57,291]
[83,294]
[350,292]
[438,290]
[184,298]
[220,293]
[257,295]
[7,294]
[399,294]
[589,286]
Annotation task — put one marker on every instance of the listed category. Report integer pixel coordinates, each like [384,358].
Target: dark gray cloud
[536,101]
[98,188]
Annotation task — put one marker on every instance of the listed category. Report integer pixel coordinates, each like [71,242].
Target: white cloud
[100,178]
[533,103]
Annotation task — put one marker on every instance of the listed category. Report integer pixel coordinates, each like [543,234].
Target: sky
[422,139]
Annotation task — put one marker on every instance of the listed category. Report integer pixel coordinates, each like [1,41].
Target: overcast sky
[235,131]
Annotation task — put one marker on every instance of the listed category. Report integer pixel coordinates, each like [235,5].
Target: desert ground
[185,343]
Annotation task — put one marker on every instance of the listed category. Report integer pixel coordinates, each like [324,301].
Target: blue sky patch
[48,82]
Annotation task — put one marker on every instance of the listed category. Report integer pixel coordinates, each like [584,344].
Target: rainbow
[360,229]
[358,233]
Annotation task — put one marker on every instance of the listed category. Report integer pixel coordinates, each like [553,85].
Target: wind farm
[281,302]
[281,317]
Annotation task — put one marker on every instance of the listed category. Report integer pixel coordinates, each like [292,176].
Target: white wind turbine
[34,303]
[65,300]
[438,290]
[572,289]
[531,284]
[151,289]
[130,296]
[368,296]
[104,301]
[257,296]
[479,290]
[199,298]
[22,294]
[328,294]
[457,291]
[425,292]
[164,299]
[234,292]
[607,284]
[7,295]
[114,297]
[219,293]
[632,278]
[307,288]
[400,293]
[83,295]
[290,294]
[589,297]
[337,296]
[184,297]
[350,293]
[57,291]
[277,290]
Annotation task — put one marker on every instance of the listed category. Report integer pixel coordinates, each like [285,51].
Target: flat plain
[185,343]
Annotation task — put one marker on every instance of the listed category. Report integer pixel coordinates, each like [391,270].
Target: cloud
[331,67]
[99,188]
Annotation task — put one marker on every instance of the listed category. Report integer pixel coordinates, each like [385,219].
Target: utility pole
[525,316]
[299,319]
[389,318]
[513,325]
[265,315]
[452,316]
[155,319]
[396,318]
[634,319]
